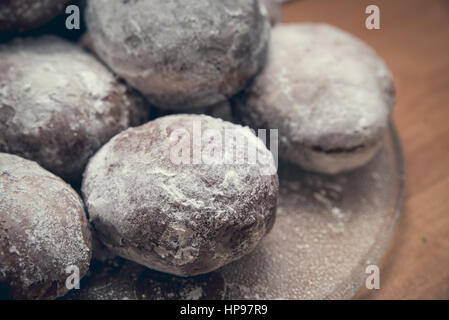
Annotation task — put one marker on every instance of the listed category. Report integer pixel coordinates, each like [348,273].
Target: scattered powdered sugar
[122,280]
[319,247]
[43,229]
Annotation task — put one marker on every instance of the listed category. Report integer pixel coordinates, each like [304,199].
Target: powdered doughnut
[184,219]
[43,230]
[194,54]
[327,92]
[58,104]
[23,15]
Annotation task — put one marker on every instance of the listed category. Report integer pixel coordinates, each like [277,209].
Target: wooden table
[414,41]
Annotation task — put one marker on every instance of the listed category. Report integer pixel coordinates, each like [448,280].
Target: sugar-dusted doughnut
[327,92]
[194,54]
[44,233]
[184,218]
[58,104]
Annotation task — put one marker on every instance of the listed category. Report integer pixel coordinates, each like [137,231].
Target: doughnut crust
[180,54]
[58,104]
[178,218]
[43,230]
[24,15]
[327,92]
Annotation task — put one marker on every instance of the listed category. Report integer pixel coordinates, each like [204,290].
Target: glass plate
[328,230]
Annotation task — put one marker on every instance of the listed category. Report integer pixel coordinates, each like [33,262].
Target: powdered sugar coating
[329,94]
[58,104]
[23,15]
[178,218]
[43,230]
[180,55]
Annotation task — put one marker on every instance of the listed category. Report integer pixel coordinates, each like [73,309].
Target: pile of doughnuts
[98,138]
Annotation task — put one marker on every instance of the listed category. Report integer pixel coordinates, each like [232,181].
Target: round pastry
[180,56]
[58,104]
[273,10]
[327,92]
[183,217]
[44,233]
[24,15]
